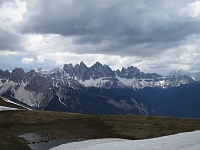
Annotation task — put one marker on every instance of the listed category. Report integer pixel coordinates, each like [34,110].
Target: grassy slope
[58,125]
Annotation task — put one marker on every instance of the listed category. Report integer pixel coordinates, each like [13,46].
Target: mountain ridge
[195,76]
[92,90]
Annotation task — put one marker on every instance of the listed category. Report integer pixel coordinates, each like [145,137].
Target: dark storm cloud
[130,27]
[9,38]
[10,41]
[90,39]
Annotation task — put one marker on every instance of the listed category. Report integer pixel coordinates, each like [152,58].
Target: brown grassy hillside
[58,125]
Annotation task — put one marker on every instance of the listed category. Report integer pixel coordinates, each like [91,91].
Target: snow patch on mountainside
[41,71]
[162,84]
[3,108]
[132,83]
[94,82]
[9,101]
[118,82]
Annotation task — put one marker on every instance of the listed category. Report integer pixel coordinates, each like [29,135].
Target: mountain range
[100,90]
[195,76]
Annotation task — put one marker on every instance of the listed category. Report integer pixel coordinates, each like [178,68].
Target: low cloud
[27,60]
[192,10]
[5,1]
[40,59]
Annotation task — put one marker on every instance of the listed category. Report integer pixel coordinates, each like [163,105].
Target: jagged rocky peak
[17,75]
[55,70]
[132,72]
[97,65]
[108,71]
[79,68]
[194,75]
[81,71]
[99,71]
[32,73]
[18,71]
[117,72]
[129,72]
[4,74]
[179,72]
[78,71]
[69,69]
[56,73]
[82,65]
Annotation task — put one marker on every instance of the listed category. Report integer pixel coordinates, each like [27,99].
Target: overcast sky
[153,35]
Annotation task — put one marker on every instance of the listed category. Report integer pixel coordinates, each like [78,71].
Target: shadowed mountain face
[182,101]
[99,90]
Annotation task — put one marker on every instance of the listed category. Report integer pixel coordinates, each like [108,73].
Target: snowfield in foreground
[182,141]
[3,108]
